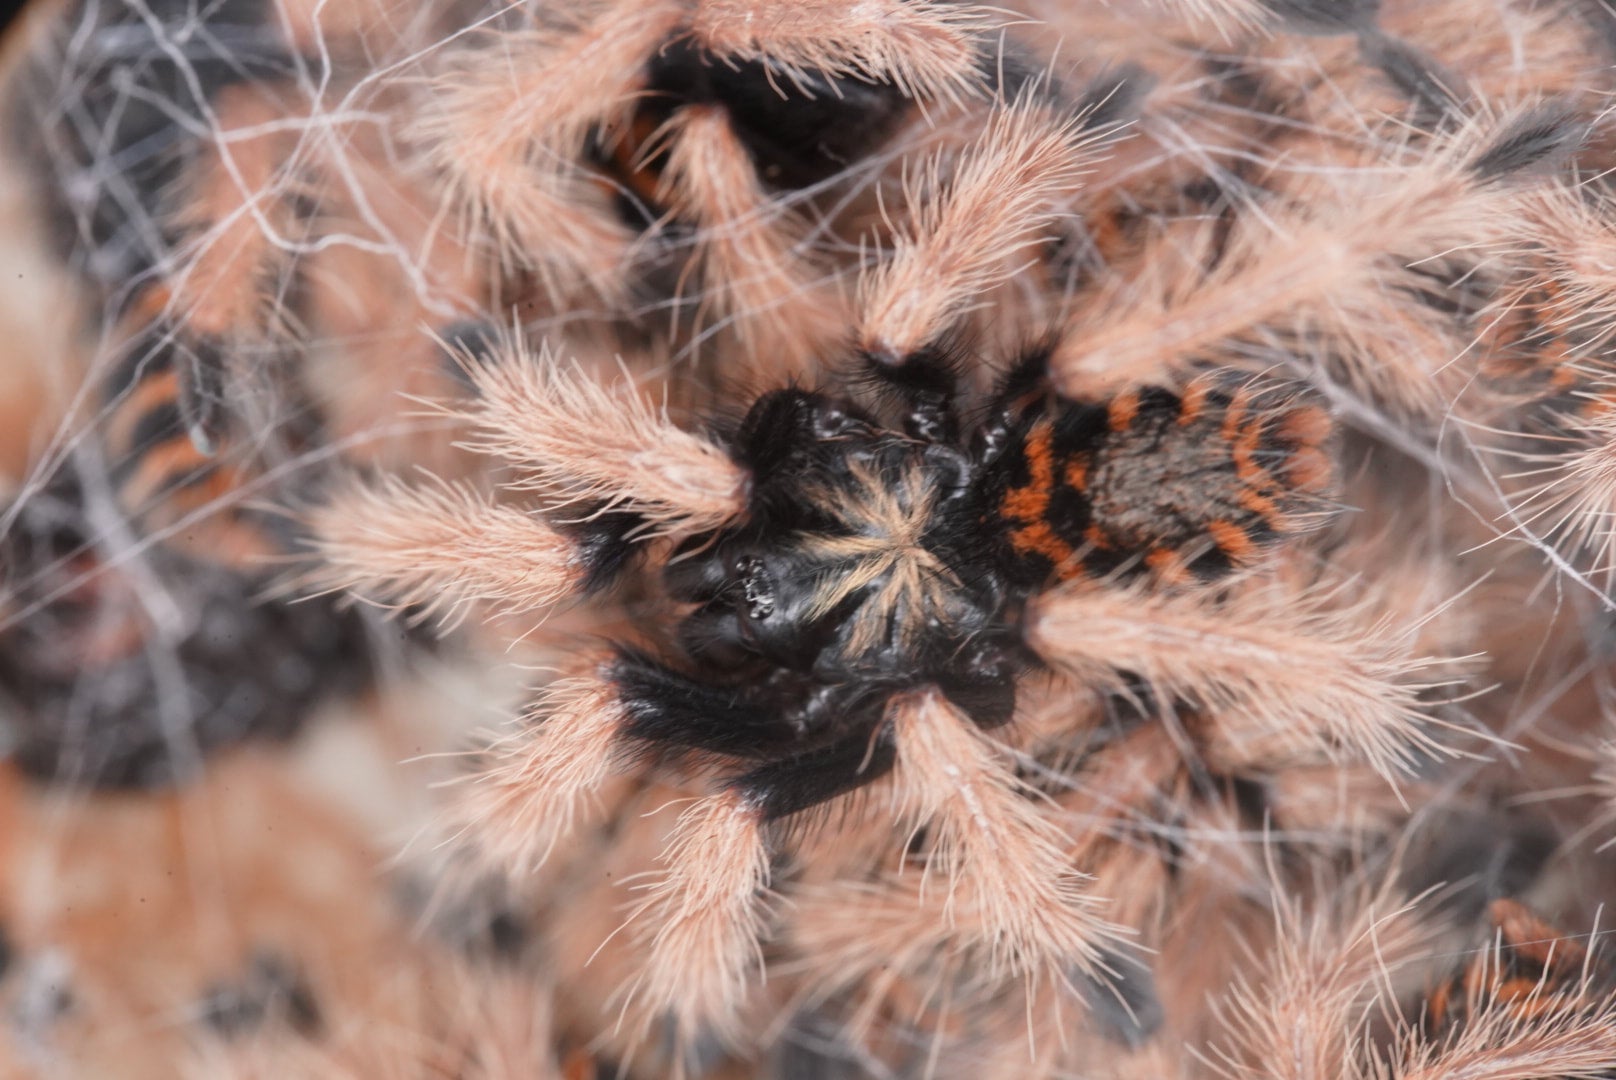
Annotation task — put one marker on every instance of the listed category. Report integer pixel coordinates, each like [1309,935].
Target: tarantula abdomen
[1187,487]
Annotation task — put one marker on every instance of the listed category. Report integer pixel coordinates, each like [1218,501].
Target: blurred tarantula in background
[986,496]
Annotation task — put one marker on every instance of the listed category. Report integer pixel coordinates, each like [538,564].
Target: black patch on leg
[271,990]
[799,129]
[981,680]
[666,708]
[469,344]
[606,545]
[1538,139]
[925,382]
[1124,1005]
[789,786]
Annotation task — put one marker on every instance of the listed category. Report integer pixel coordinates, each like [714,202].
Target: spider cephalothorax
[857,559]
[858,572]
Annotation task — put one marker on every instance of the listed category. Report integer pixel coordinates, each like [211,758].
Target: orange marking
[205,493]
[1472,984]
[1244,453]
[1602,405]
[1166,564]
[1511,328]
[1096,538]
[226,541]
[1530,935]
[1235,417]
[1232,540]
[1261,505]
[156,389]
[1077,473]
[1122,410]
[216,532]
[1437,1004]
[1526,996]
[580,1065]
[1310,470]
[1105,232]
[160,469]
[1040,539]
[1306,426]
[152,303]
[627,168]
[1031,503]
[1526,942]
[1192,403]
[1556,351]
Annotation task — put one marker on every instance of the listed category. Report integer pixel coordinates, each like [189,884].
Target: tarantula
[885,550]
[1530,969]
[851,573]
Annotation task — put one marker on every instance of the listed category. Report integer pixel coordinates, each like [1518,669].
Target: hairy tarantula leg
[1008,872]
[509,137]
[924,50]
[586,443]
[238,203]
[703,917]
[179,454]
[445,548]
[1285,674]
[781,307]
[1279,279]
[173,479]
[794,132]
[533,784]
[147,79]
[963,239]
